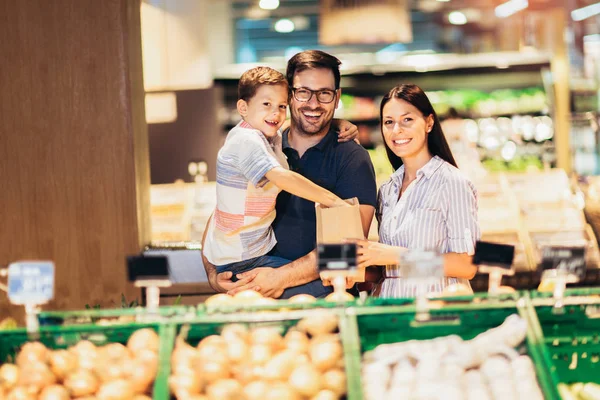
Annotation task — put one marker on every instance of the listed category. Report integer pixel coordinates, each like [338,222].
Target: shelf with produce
[354,350]
[569,340]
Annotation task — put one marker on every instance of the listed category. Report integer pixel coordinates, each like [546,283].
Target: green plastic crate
[206,325]
[116,315]
[570,336]
[280,305]
[372,326]
[62,337]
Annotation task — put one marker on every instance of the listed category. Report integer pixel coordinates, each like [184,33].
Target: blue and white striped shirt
[437,211]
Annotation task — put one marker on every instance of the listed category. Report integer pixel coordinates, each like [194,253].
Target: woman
[427,203]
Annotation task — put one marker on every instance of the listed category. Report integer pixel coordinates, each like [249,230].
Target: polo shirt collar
[321,146]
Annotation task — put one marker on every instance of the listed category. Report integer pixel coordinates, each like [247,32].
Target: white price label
[31,282]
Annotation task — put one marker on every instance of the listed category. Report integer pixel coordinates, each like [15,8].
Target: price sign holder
[150,272]
[31,284]
[337,262]
[422,268]
[562,265]
[496,260]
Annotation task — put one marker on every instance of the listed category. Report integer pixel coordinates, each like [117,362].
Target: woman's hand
[347,131]
[375,253]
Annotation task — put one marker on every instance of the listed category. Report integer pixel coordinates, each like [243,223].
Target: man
[313,151]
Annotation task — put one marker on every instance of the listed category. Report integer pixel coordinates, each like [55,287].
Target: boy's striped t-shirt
[240,228]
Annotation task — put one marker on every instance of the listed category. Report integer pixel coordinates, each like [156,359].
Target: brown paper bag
[336,224]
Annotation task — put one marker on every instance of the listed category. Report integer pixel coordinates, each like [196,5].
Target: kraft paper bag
[336,224]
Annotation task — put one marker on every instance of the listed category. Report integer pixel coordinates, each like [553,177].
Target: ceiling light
[268,4]
[443,1]
[457,18]
[284,25]
[510,7]
[585,12]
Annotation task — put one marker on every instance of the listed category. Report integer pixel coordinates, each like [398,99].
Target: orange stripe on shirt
[259,206]
[227,222]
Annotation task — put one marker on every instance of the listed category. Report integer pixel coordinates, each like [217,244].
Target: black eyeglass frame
[314,93]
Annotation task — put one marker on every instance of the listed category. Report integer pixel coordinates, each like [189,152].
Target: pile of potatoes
[84,371]
[259,363]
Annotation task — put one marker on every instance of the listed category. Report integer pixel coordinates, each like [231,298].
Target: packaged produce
[485,367]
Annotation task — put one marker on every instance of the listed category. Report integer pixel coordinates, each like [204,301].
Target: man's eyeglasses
[323,96]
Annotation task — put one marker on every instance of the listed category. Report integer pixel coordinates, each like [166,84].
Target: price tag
[568,259]
[336,257]
[494,255]
[31,282]
[148,268]
[422,264]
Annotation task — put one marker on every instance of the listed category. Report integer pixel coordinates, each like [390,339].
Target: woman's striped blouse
[438,211]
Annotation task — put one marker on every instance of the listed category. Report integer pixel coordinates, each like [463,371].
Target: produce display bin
[368,327]
[193,331]
[62,337]
[109,316]
[570,335]
[280,305]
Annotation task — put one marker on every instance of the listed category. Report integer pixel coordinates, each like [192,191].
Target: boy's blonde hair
[255,77]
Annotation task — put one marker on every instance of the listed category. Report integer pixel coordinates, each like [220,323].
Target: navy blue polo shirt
[342,168]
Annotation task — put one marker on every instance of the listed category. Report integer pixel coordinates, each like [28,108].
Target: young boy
[251,171]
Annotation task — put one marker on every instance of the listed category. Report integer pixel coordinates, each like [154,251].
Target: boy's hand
[346,131]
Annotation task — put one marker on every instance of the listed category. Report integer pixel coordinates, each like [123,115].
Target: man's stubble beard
[299,126]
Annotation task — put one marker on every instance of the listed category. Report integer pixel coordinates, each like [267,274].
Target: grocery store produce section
[522,345]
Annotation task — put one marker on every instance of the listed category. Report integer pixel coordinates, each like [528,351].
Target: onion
[256,390]
[32,352]
[281,366]
[281,391]
[267,335]
[233,331]
[114,351]
[87,354]
[335,380]
[115,390]
[213,348]
[212,371]
[339,297]
[318,324]
[184,357]
[54,392]
[81,383]
[237,349]
[306,380]
[247,296]
[110,370]
[297,341]
[302,299]
[143,339]
[141,375]
[244,373]
[224,389]
[62,363]
[185,383]
[9,376]
[149,358]
[36,375]
[22,393]
[324,395]
[219,299]
[260,354]
[325,353]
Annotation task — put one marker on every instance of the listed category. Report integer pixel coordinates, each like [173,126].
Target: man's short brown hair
[255,77]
